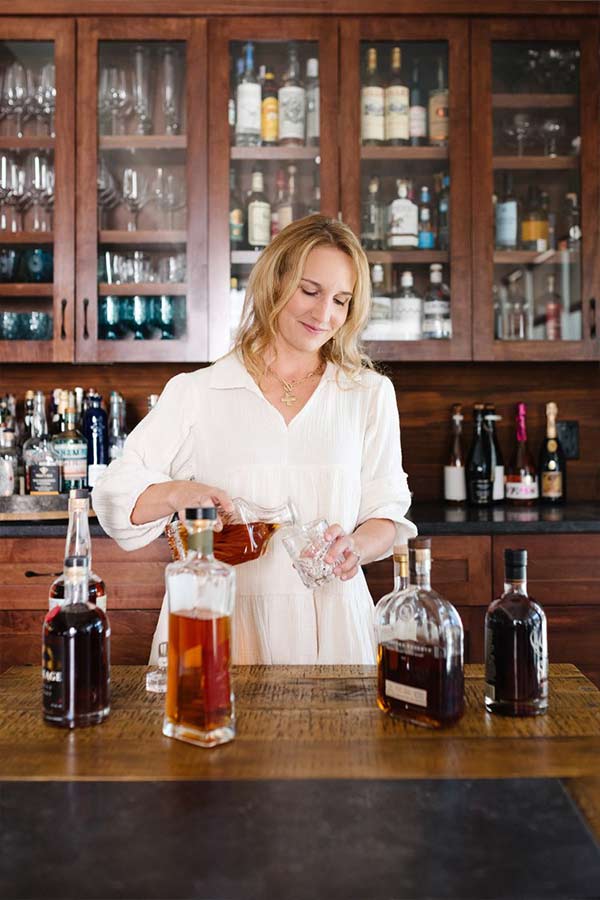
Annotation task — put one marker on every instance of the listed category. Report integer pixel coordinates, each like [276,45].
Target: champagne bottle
[490,419]
[521,476]
[479,471]
[553,466]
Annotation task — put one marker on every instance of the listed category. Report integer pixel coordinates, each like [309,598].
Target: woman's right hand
[195,493]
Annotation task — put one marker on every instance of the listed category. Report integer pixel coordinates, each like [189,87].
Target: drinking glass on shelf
[48,195]
[12,189]
[171,268]
[36,185]
[169,194]
[552,130]
[110,327]
[108,195]
[161,316]
[15,94]
[6,164]
[170,90]
[141,88]
[48,90]
[9,325]
[116,98]
[134,315]
[518,129]
[135,193]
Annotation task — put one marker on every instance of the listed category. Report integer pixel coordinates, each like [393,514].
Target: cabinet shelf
[266,153]
[408,256]
[28,142]
[417,153]
[26,289]
[26,237]
[535,162]
[148,289]
[527,101]
[143,238]
[533,257]
[143,142]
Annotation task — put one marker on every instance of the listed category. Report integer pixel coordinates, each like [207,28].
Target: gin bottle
[420,649]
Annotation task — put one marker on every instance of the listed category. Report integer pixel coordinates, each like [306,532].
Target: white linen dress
[338,459]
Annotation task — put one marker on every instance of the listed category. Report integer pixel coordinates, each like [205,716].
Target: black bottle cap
[76,562]
[201,512]
[419,543]
[515,563]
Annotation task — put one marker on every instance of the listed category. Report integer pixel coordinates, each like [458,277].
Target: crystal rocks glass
[308,548]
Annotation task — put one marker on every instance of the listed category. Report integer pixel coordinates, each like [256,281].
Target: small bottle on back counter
[420,649]
[516,646]
[79,543]
[455,486]
[490,418]
[521,482]
[553,465]
[479,469]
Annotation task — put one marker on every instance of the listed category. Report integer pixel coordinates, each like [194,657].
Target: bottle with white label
[292,103]
[437,324]
[455,485]
[490,418]
[407,310]
[417,115]
[259,214]
[396,104]
[403,220]
[419,649]
[372,104]
[248,99]
[313,109]
[507,217]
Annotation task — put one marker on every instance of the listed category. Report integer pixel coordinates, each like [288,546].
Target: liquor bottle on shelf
[381,308]
[490,418]
[443,216]
[28,409]
[76,655]
[516,326]
[258,214]
[455,484]
[516,646]
[521,482]
[551,305]
[9,463]
[407,310]
[426,237]
[396,104]
[117,434]
[479,469]
[269,111]
[372,104]
[552,463]
[79,543]
[95,430]
[550,216]
[534,223]
[507,216]
[295,203]
[438,109]
[314,206]
[571,239]
[71,448]
[43,469]
[281,210]
[313,107]
[371,233]
[437,323]
[248,103]
[420,649]
[292,103]
[236,214]
[417,116]
[403,220]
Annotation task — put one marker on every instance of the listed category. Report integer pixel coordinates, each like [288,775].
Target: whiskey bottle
[259,214]
[490,418]
[43,470]
[79,543]
[76,655]
[420,649]
[479,469]
[372,104]
[313,107]
[248,104]
[438,109]
[521,483]
[516,646]
[396,104]
[371,231]
[417,116]
[292,103]
[455,485]
[401,583]
[269,116]
[552,464]
[534,223]
[71,448]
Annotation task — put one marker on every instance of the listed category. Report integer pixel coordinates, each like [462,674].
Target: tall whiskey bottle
[516,646]
[79,544]
[396,104]
[420,649]
[372,104]
[76,655]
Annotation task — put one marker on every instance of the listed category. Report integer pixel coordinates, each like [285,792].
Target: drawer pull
[30,574]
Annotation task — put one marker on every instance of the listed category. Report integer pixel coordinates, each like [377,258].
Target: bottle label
[406,311]
[259,223]
[417,122]
[292,113]
[269,120]
[44,479]
[313,115]
[438,117]
[94,473]
[403,223]
[455,487]
[552,486]
[506,223]
[284,216]
[522,490]
[7,477]
[248,109]
[52,675]
[396,113]
[480,490]
[535,233]
[236,226]
[426,240]
[416,696]
[498,492]
[372,115]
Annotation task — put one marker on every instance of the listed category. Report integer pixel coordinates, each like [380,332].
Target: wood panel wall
[425,394]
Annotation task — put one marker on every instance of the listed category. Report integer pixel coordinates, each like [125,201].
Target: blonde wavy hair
[275,278]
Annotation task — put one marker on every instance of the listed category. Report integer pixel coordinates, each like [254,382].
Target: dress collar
[230,372]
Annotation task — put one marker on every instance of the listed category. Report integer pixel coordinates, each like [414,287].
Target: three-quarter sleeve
[157,450]
[384,485]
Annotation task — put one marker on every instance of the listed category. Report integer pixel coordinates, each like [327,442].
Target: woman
[295,410]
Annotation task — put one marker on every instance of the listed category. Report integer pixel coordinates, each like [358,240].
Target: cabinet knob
[86,333]
[592,317]
[63,331]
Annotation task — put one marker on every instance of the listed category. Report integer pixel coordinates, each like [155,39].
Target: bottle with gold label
[372,104]
[552,466]
[438,109]
[397,104]
[269,118]
[534,223]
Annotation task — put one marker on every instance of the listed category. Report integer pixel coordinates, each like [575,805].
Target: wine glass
[141,88]
[116,99]
[6,164]
[168,193]
[552,130]
[170,90]
[135,193]
[108,196]
[48,92]
[36,172]
[519,130]
[16,94]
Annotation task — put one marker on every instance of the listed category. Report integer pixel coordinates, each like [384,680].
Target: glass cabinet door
[36,190]
[534,217]
[140,286]
[273,157]
[405,182]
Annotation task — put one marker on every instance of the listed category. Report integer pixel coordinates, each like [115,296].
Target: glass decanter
[420,648]
[246,531]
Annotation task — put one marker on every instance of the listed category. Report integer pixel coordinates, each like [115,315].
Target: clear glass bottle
[292,103]
[199,705]
[156,678]
[515,326]
[534,222]
[117,434]
[371,231]
[426,237]
[420,649]
[397,103]
[259,214]
[437,324]
[313,103]
[237,215]
[551,308]
[507,217]
[407,310]
[71,448]
[438,109]
[372,104]
[381,307]
[403,220]
[76,655]
[248,103]
[43,470]
[79,543]
[455,485]
[9,481]
[516,646]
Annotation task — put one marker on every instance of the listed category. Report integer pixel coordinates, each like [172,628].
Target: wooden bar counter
[493,801]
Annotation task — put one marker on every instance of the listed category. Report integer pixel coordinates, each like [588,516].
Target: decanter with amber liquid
[420,649]
[245,534]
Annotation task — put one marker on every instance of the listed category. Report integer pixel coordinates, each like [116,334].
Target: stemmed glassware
[15,94]
[170,90]
[135,192]
[141,88]
[552,130]
[108,195]
[168,193]
[36,187]
[115,99]
[519,130]
[6,165]
[48,93]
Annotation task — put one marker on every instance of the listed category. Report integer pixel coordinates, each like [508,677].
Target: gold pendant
[288,398]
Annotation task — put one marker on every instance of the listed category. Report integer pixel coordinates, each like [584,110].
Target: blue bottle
[95,430]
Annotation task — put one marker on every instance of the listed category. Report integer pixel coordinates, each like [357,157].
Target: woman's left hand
[344,552]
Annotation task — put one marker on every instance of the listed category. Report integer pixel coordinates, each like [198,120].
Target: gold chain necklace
[288,386]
